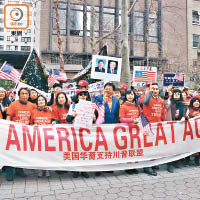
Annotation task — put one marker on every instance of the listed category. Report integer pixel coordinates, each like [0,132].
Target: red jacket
[155,110]
[128,112]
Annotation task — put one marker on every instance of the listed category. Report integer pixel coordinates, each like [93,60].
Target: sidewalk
[184,183]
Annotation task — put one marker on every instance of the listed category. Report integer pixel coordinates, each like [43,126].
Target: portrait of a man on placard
[100,65]
[112,67]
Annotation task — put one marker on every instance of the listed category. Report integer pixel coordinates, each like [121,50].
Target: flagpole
[27,60]
[3,65]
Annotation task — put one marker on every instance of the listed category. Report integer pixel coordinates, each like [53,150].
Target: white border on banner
[23,85]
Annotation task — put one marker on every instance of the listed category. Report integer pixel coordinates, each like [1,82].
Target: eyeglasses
[82,94]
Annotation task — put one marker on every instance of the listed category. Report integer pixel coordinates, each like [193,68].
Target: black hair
[43,98]
[30,93]
[154,84]
[33,90]
[177,91]
[148,85]
[87,95]
[110,84]
[193,100]
[23,88]
[117,90]
[130,92]
[100,61]
[57,85]
[66,103]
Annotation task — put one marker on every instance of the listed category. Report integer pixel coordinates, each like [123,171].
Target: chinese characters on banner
[103,147]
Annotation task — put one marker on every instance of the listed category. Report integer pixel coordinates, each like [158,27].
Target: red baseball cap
[124,86]
[83,83]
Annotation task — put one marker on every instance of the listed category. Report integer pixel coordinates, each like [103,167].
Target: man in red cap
[123,88]
[83,85]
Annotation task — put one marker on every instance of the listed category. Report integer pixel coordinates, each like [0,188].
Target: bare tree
[59,37]
[125,73]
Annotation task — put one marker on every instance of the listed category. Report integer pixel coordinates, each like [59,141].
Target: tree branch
[118,27]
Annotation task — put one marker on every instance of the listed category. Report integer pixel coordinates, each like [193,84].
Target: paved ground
[183,184]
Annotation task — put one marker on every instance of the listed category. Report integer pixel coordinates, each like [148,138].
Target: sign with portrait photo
[106,68]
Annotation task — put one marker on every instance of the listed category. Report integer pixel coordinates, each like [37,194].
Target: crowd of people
[121,106]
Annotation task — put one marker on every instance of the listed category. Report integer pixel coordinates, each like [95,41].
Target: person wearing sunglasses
[83,96]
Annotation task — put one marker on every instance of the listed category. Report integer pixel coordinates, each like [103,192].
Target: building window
[195,41]
[54,60]
[138,26]
[62,15]
[8,38]
[108,19]
[96,26]
[1,38]
[11,48]
[25,39]
[1,20]
[25,48]
[195,63]
[1,29]
[76,20]
[195,17]
[153,32]
[1,47]
[1,11]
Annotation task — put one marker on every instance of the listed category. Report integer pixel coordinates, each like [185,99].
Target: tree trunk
[59,37]
[92,25]
[125,73]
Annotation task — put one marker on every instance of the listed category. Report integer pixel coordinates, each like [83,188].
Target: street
[182,184]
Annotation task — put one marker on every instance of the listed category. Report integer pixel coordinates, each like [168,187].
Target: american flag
[8,72]
[145,126]
[96,105]
[145,75]
[179,76]
[56,75]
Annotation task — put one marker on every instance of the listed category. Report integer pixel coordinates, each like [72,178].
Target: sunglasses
[83,94]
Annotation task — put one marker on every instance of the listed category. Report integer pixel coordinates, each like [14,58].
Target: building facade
[193,35]
[16,44]
[164,32]
[157,30]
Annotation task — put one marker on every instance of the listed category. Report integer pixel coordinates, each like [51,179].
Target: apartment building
[193,34]
[165,44]
[16,44]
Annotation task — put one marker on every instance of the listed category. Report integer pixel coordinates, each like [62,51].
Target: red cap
[83,83]
[124,86]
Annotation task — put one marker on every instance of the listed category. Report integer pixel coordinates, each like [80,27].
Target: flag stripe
[9,73]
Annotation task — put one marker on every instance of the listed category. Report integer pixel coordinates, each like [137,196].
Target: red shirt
[193,113]
[41,117]
[60,114]
[140,100]
[19,112]
[155,111]
[1,117]
[128,112]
